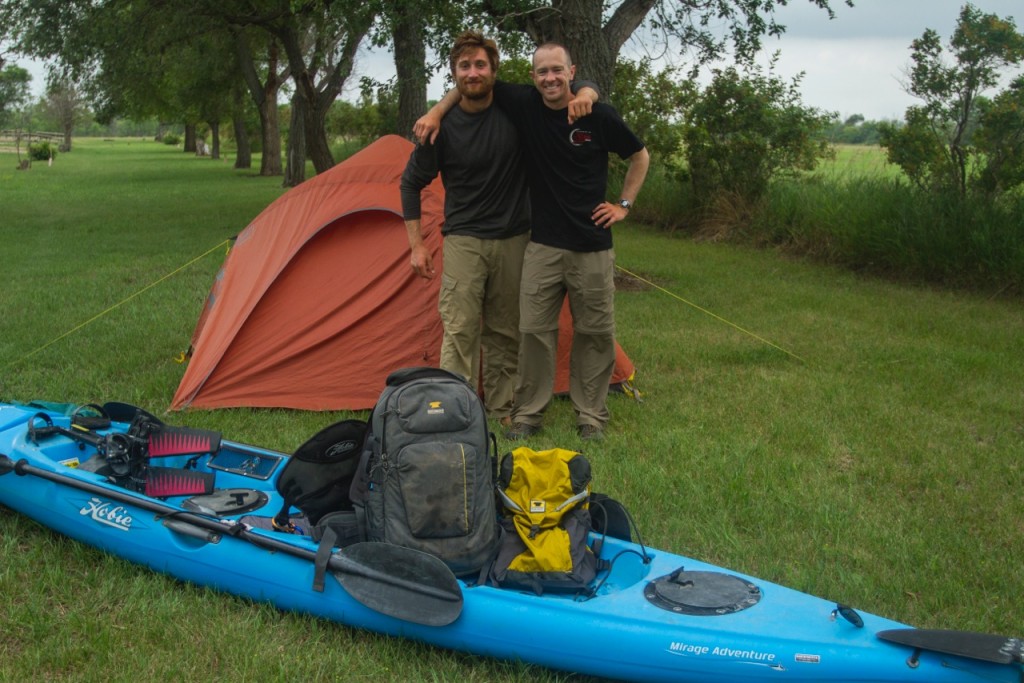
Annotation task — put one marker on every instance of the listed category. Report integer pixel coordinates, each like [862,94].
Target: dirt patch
[628,283]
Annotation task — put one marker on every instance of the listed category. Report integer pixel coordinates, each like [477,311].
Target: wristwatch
[626,204]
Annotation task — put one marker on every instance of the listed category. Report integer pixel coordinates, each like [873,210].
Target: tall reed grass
[860,213]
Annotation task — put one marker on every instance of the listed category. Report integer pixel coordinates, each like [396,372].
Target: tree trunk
[317,146]
[410,56]
[243,150]
[190,137]
[295,169]
[270,137]
[264,95]
[214,139]
[581,32]
[577,25]
[243,153]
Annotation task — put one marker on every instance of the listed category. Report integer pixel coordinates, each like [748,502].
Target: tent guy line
[713,315]
[99,315]
[227,243]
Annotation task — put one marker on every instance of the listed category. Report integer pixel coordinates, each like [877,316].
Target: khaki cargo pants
[589,280]
[479,306]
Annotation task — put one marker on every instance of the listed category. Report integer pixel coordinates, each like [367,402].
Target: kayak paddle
[400,582]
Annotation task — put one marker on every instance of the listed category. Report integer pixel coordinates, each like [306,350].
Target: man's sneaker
[521,430]
[590,432]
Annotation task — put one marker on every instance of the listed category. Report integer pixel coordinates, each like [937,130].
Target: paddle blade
[981,646]
[400,582]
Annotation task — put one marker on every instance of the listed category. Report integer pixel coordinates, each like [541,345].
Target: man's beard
[481,91]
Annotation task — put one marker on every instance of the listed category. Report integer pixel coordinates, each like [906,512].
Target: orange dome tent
[316,303]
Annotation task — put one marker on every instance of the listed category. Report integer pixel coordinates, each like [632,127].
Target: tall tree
[410,68]
[595,32]
[263,90]
[321,59]
[412,28]
[65,104]
[243,151]
[14,85]
[933,148]
[319,40]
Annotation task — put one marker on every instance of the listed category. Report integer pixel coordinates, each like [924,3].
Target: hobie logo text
[105,513]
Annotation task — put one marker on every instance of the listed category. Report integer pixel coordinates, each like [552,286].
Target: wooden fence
[10,139]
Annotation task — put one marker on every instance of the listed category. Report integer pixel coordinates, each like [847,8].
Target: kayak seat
[316,479]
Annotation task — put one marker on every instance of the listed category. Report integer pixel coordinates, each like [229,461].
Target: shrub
[746,129]
[42,151]
[171,139]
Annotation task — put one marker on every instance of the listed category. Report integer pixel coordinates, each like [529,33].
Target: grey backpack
[426,477]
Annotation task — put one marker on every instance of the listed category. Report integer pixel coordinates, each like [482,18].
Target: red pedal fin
[163,482]
[182,441]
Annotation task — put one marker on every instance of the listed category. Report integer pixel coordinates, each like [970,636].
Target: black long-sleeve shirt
[482,169]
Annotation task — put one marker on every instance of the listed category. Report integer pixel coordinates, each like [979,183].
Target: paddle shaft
[338,563]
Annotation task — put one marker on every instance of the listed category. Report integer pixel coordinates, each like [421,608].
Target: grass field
[859,160]
[871,453]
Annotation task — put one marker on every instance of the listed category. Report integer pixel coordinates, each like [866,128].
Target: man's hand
[606,214]
[427,127]
[582,104]
[422,262]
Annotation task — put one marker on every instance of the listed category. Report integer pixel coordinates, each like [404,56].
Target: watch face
[625,203]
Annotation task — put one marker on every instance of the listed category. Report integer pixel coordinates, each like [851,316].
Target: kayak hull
[784,636]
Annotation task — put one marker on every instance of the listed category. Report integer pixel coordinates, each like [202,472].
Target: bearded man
[487,224]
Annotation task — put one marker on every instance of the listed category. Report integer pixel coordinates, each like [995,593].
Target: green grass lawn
[882,468]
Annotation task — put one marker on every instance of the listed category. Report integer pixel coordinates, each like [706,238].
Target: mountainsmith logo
[107,513]
[435,408]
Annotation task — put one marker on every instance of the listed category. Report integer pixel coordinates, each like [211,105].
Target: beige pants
[479,306]
[589,280]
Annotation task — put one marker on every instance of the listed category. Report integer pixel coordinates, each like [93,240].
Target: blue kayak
[654,616]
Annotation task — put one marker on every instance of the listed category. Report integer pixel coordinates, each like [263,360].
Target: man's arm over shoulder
[585,95]
[428,126]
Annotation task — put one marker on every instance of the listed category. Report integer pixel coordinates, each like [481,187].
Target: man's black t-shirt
[567,166]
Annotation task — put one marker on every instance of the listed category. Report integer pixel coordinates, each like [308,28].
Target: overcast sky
[853,64]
